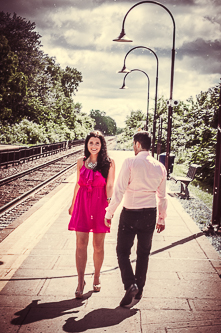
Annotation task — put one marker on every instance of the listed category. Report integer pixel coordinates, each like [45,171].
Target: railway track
[15,188]
[20,191]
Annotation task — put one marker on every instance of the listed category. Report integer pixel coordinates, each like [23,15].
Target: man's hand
[107,222]
[160,227]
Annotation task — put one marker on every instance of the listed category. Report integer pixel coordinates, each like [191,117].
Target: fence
[22,154]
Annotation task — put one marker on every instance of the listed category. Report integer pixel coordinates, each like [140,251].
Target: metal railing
[22,154]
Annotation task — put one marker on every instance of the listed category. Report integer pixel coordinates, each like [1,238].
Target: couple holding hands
[141,180]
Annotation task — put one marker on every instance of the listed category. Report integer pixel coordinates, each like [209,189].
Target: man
[141,179]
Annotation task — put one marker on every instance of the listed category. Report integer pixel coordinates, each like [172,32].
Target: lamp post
[123,38]
[159,136]
[125,70]
[216,214]
[148,90]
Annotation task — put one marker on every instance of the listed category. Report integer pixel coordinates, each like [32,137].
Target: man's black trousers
[140,222]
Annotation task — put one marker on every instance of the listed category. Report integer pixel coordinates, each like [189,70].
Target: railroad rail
[15,188]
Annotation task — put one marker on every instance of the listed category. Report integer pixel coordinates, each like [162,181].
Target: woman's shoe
[79,294]
[97,287]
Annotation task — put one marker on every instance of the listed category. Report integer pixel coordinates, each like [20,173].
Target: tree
[105,124]
[32,85]
[13,84]
[70,79]
[23,41]
[201,127]
[136,120]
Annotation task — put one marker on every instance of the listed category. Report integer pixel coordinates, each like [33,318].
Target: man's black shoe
[129,295]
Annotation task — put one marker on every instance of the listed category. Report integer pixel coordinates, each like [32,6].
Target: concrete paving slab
[202,329]
[202,276]
[180,320]
[6,318]
[178,265]
[206,304]
[39,261]
[21,287]
[163,303]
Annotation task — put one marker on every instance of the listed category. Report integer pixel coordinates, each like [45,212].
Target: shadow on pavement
[181,241]
[35,312]
[98,318]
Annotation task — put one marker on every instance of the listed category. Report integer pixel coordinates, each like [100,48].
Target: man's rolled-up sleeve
[162,198]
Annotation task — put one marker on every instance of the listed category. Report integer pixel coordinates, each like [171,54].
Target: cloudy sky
[79,34]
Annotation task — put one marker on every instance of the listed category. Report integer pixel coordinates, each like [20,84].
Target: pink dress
[90,203]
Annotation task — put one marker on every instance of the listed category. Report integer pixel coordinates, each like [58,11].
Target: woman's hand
[70,210]
[107,222]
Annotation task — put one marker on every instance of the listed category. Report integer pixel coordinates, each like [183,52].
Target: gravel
[199,212]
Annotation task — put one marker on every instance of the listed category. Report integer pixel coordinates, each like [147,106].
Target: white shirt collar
[144,152]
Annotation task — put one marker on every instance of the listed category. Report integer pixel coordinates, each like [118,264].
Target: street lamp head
[124,70]
[122,38]
[123,86]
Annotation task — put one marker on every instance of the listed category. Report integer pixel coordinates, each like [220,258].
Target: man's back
[145,178]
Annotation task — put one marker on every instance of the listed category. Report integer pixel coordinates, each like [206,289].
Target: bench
[186,180]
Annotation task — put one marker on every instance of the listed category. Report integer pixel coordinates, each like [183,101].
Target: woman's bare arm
[79,166]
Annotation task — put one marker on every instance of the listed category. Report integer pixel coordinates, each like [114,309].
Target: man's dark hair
[144,138]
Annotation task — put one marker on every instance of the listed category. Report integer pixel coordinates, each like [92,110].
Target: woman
[92,193]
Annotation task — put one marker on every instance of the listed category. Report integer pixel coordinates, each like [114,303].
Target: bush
[25,132]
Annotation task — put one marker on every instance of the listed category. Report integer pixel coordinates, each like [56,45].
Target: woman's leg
[98,244]
[81,256]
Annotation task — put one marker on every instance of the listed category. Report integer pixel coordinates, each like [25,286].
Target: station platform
[38,276]
[9,147]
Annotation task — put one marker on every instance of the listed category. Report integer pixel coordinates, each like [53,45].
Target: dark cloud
[204,55]
[164,2]
[31,8]
[201,48]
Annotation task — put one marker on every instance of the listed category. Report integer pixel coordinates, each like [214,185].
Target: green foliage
[136,120]
[194,131]
[28,132]
[13,84]
[194,128]
[35,92]
[201,121]
[119,130]
[103,123]
[24,132]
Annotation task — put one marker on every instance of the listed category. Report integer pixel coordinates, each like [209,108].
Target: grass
[196,187]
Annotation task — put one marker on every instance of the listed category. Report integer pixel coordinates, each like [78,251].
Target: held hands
[107,222]
[160,227]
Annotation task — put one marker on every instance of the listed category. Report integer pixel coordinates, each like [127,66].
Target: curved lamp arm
[123,70]
[148,90]
[123,38]
[139,47]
